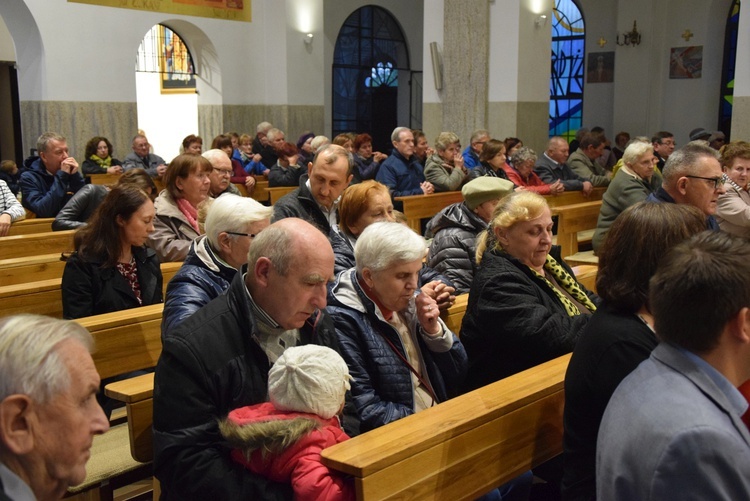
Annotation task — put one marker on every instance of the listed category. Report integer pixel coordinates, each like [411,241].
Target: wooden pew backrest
[275,193]
[36,244]
[45,296]
[29,226]
[418,207]
[464,447]
[574,218]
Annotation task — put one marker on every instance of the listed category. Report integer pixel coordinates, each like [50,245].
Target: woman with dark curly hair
[99,158]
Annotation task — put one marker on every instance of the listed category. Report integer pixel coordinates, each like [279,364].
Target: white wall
[7,49]
[166,118]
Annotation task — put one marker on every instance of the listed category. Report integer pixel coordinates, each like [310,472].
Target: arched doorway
[166,90]
[371,76]
[566,83]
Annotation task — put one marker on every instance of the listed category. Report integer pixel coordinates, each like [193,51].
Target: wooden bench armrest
[132,390]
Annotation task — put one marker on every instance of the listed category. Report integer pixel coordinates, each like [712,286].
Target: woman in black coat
[111,269]
[525,305]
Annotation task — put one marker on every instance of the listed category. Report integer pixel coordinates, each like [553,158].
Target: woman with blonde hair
[525,305]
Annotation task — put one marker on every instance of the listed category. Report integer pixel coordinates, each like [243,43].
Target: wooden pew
[418,207]
[260,193]
[572,219]
[586,275]
[464,447]
[21,270]
[36,244]
[275,193]
[45,296]
[454,315]
[574,197]
[29,226]
[125,341]
[104,178]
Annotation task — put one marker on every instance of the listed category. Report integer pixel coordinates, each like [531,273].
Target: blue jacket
[382,385]
[471,159]
[661,196]
[201,278]
[45,194]
[402,176]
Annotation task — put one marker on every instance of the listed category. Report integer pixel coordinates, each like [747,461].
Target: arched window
[163,51]
[370,60]
[566,83]
[727,73]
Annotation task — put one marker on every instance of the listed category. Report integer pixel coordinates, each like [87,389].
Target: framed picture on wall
[600,67]
[175,63]
[686,62]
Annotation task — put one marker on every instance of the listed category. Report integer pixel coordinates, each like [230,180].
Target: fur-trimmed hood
[264,428]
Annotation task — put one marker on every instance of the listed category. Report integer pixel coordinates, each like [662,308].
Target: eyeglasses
[717,181]
[251,235]
[223,172]
[668,143]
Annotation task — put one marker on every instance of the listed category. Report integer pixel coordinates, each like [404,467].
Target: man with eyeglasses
[693,176]
[472,152]
[220,174]
[664,145]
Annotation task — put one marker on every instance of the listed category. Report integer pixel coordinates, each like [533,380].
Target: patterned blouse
[130,272]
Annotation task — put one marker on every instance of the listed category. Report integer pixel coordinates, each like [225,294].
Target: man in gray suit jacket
[551,167]
[673,427]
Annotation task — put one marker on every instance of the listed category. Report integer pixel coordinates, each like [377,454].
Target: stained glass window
[727,74]
[163,51]
[368,59]
[383,74]
[566,83]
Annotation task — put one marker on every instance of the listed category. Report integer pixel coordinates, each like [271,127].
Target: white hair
[318,142]
[274,133]
[384,244]
[215,155]
[233,213]
[263,127]
[29,361]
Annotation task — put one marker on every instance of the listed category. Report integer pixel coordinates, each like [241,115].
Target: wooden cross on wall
[687,35]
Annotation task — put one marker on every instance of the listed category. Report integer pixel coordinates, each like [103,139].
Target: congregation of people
[318,318]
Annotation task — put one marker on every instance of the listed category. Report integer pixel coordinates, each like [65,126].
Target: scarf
[568,283]
[104,163]
[190,212]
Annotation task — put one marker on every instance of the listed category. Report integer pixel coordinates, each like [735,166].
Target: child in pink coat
[282,439]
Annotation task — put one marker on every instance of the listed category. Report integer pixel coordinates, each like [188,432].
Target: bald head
[289,265]
[558,149]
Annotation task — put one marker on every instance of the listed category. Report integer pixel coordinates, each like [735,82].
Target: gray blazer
[670,432]
[549,172]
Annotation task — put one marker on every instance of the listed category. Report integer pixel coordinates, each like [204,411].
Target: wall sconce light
[630,38]
[540,21]
[308,39]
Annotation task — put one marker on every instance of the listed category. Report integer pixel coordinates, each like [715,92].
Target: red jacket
[247,428]
[534,183]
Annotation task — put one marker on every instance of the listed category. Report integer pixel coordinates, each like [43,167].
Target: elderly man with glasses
[693,176]
[220,175]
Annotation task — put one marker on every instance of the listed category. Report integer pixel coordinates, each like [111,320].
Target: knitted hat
[699,133]
[484,188]
[309,378]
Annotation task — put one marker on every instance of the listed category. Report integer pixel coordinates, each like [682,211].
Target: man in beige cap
[456,227]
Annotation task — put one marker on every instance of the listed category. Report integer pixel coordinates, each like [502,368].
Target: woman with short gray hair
[521,172]
[401,355]
[214,258]
[445,168]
